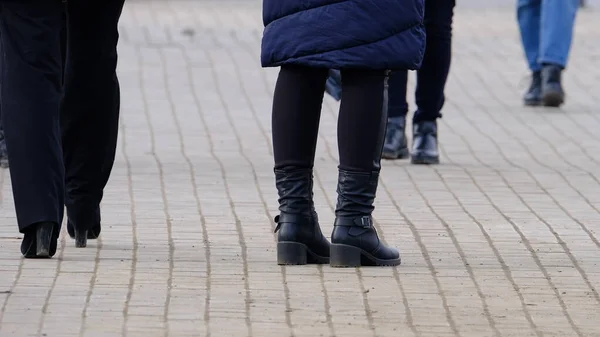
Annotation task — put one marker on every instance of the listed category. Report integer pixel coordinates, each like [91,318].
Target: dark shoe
[299,237]
[533,96]
[40,241]
[425,143]
[81,236]
[89,230]
[395,146]
[553,94]
[354,241]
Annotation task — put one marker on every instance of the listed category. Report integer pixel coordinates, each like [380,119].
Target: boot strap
[278,221]
[362,222]
[289,218]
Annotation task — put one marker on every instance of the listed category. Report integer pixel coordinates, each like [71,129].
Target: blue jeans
[546,30]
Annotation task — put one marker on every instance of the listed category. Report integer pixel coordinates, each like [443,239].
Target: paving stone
[501,239]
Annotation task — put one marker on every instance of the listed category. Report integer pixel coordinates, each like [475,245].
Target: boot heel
[341,256]
[291,253]
[81,238]
[43,238]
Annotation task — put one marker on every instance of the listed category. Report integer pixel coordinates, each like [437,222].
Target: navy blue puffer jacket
[338,34]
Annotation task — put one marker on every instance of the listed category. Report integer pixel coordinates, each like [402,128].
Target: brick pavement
[499,240]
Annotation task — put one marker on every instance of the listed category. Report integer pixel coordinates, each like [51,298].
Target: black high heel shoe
[40,241]
[81,236]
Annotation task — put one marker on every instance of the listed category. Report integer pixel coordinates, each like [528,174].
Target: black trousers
[60,105]
[361,121]
[431,78]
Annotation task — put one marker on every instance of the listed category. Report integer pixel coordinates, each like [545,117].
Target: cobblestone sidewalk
[502,239]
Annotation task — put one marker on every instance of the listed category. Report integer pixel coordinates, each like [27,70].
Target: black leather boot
[299,237]
[395,146]
[533,96]
[425,143]
[354,241]
[553,94]
[40,241]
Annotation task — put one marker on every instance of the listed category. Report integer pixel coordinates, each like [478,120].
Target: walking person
[431,81]
[362,39]
[546,28]
[60,109]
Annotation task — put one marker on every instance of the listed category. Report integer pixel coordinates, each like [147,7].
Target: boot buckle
[364,222]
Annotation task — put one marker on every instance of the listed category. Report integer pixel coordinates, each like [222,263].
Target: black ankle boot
[354,241]
[533,96]
[299,236]
[84,231]
[40,240]
[553,94]
[425,143]
[395,146]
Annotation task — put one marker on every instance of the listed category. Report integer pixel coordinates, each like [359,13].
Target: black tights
[361,122]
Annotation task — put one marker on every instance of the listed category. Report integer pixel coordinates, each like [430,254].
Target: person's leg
[432,77]
[333,86]
[3,151]
[90,111]
[557,23]
[529,18]
[31,91]
[431,80]
[361,130]
[395,145]
[297,105]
